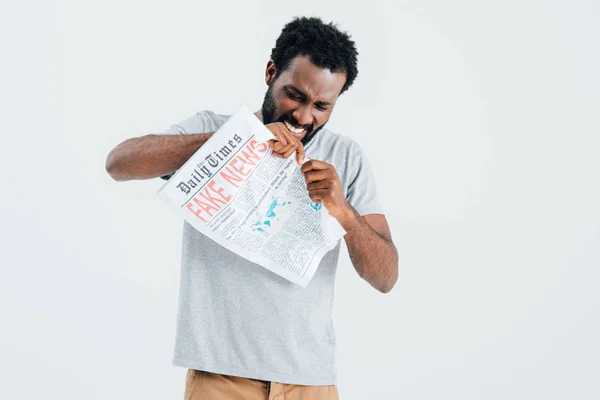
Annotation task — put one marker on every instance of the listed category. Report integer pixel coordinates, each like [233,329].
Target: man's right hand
[286,143]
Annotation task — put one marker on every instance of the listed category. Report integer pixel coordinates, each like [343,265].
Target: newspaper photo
[254,204]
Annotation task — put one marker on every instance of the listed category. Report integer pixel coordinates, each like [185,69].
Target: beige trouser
[202,385]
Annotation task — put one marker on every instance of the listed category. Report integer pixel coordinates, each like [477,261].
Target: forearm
[152,156]
[374,257]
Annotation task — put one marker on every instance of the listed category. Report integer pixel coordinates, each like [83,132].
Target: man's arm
[152,156]
[369,240]
[371,249]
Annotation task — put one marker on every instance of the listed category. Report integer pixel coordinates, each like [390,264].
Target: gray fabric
[236,317]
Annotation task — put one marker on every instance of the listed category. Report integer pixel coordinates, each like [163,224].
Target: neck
[259,114]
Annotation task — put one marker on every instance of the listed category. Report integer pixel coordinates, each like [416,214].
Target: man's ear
[270,72]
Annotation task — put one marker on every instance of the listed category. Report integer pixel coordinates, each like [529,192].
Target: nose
[303,115]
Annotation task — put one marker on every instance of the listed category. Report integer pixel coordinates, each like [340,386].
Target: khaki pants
[202,385]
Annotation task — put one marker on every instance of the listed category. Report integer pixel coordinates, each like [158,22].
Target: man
[243,332]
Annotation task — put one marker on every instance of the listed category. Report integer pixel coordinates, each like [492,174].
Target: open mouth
[298,132]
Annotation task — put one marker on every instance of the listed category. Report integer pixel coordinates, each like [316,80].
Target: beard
[268,114]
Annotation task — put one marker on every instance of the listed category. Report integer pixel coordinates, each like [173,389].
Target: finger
[276,148]
[300,152]
[324,184]
[313,164]
[277,131]
[289,153]
[285,136]
[314,176]
[290,148]
[317,195]
[298,144]
[298,147]
[288,135]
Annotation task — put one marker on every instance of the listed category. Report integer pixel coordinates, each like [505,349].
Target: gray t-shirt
[238,318]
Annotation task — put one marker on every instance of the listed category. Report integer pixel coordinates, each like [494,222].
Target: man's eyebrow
[300,92]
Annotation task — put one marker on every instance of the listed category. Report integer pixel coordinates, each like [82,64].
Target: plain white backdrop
[480,119]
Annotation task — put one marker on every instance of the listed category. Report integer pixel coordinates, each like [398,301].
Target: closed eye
[300,98]
[293,96]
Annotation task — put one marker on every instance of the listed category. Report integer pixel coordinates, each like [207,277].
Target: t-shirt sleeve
[197,123]
[361,192]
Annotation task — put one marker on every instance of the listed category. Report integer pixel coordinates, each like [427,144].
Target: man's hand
[324,185]
[368,237]
[286,143]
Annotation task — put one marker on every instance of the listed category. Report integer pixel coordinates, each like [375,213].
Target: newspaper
[254,204]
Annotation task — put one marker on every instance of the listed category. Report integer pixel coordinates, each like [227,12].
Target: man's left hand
[324,185]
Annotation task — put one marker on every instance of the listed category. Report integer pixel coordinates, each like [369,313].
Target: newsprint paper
[253,204]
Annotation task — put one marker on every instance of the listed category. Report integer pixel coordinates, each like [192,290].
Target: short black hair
[324,44]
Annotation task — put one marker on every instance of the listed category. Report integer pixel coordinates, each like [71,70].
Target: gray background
[480,119]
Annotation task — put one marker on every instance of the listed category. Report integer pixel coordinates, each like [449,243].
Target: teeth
[293,129]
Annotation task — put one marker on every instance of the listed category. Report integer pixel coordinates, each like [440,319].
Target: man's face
[302,97]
